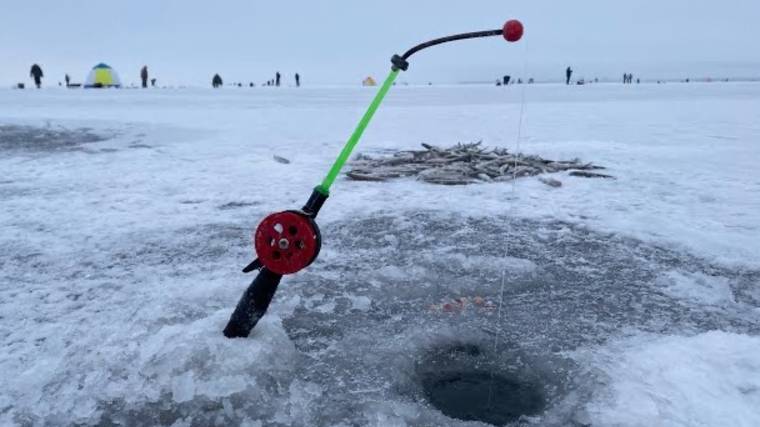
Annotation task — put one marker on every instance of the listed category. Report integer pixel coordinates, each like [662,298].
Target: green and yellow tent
[102,75]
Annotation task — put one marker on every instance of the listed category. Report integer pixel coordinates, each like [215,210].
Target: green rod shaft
[324,188]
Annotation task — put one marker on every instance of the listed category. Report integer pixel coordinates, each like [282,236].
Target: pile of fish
[464,164]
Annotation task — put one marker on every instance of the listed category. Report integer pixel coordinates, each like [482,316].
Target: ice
[126,217]
[698,288]
[708,379]
[361,303]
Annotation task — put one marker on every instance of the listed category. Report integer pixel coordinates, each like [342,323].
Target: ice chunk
[183,387]
[361,303]
[697,288]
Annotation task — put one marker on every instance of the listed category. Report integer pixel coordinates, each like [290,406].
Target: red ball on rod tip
[513,30]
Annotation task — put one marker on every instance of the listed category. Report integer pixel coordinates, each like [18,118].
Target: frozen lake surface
[126,218]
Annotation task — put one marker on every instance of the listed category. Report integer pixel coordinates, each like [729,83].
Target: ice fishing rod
[289,241]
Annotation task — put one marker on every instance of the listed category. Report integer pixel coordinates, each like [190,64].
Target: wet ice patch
[565,287]
[21,138]
[697,287]
[236,205]
[493,264]
[710,379]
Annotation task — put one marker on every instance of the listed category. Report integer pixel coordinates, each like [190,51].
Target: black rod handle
[253,304]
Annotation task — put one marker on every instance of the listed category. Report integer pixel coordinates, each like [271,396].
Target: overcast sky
[187,41]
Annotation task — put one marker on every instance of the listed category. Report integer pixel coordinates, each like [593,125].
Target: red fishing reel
[287,242]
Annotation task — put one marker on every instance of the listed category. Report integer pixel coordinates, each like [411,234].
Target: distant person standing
[277,79]
[216,82]
[36,74]
[153,82]
[568,74]
[144,76]
[506,80]
[68,80]
[298,80]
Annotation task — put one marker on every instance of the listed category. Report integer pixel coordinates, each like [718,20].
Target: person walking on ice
[36,74]
[216,82]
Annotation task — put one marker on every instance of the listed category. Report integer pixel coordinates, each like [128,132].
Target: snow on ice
[126,218]
[707,379]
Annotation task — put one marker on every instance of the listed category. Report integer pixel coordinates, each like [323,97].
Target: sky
[184,42]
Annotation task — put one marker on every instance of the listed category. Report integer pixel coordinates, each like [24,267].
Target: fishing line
[510,214]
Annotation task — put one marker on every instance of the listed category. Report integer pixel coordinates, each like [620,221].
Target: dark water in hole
[471,382]
[482,396]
